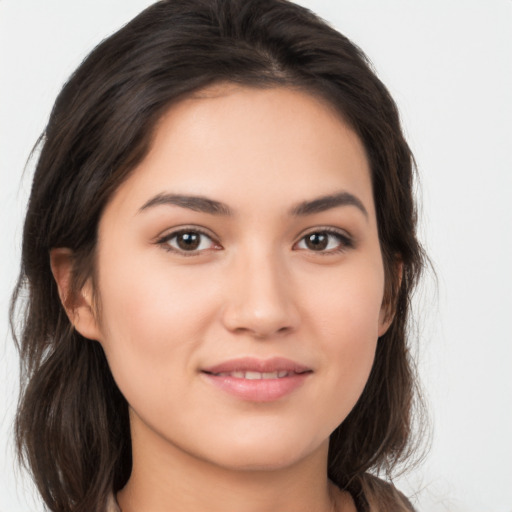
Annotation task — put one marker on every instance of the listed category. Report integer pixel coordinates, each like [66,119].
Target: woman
[219,252]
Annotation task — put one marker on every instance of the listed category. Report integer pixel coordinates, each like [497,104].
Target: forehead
[249,146]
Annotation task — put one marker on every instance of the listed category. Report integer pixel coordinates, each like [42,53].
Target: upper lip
[248,364]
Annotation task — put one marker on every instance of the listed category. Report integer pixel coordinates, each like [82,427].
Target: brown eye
[187,241]
[317,241]
[325,242]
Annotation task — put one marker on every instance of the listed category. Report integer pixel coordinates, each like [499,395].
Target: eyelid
[346,239]
[163,240]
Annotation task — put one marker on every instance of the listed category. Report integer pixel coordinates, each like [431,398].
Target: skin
[252,288]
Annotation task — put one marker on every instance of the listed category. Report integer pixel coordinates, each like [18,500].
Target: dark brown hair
[72,425]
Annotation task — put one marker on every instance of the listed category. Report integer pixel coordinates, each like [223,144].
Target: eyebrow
[213,207]
[324,203]
[196,203]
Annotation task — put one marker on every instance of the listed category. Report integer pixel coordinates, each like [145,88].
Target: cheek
[347,318]
[347,303]
[152,320]
[153,326]
[143,300]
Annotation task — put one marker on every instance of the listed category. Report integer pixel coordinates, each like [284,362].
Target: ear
[78,304]
[388,309]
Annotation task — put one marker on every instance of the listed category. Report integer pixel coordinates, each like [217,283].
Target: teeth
[250,375]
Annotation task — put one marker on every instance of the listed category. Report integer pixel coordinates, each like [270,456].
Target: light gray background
[448,64]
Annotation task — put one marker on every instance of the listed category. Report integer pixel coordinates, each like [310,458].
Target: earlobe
[385,320]
[388,308]
[78,304]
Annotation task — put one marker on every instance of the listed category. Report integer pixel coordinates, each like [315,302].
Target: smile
[257,380]
[251,375]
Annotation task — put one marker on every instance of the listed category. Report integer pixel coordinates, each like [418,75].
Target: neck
[165,478]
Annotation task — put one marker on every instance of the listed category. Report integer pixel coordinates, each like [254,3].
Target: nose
[259,298]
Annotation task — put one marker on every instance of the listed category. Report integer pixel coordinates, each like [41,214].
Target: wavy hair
[72,425]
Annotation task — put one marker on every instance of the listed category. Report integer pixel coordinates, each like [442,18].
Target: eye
[325,241]
[192,241]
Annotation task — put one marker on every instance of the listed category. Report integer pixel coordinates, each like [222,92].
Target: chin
[263,454]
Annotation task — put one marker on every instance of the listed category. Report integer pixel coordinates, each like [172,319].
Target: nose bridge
[260,299]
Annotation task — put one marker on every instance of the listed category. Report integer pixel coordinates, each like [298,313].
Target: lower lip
[258,390]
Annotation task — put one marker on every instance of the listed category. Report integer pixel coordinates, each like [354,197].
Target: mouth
[257,380]
[252,375]
[254,368]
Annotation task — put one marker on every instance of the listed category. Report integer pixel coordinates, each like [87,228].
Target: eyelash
[345,242]
[164,241]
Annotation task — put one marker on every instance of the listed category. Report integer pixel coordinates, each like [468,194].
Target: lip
[253,364]
[257,390]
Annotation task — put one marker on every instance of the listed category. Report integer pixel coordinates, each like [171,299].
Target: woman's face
[240,279]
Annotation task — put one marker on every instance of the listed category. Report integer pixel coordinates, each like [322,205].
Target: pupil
[317,241]
[188,241]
